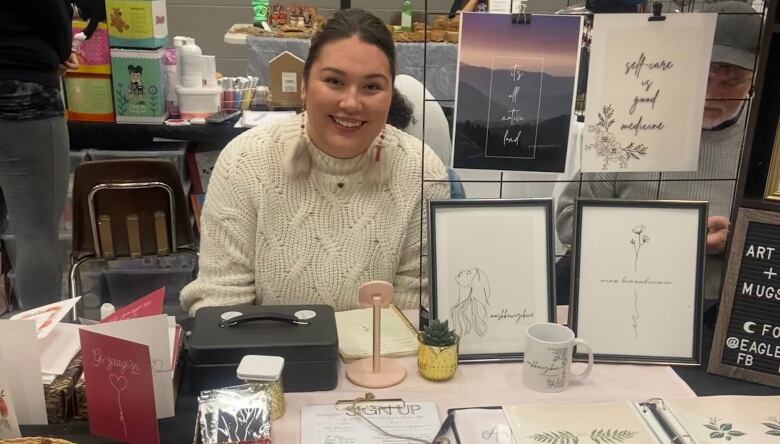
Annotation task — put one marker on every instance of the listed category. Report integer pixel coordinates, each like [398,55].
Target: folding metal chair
[133,208]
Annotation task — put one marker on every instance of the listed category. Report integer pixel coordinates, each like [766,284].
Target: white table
[477,385]
[493,384]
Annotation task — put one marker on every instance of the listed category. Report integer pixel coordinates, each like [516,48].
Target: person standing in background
[725,112]
[35,51]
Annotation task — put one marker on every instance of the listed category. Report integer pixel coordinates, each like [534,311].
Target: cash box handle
[280,317]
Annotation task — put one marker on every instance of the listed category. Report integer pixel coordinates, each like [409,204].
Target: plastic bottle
[191,65]
[178,42]
[106,310]
[406,16]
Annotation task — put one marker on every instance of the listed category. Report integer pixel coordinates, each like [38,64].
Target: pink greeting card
[149,305]
[120,391]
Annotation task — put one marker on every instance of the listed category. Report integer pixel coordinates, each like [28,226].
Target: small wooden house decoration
[286,74]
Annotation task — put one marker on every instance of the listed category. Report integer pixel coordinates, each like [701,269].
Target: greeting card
[23,370]
[120,390]
[9,426]
[149,305]
[155,333]
[47,316]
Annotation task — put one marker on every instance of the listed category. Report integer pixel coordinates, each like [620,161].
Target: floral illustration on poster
[515,92]
[645,101]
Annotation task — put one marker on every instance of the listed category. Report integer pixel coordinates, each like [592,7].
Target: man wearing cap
[728,88]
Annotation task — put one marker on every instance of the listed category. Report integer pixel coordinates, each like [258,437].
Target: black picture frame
[502,312]
[613,315]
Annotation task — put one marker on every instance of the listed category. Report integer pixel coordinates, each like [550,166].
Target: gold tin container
[275,392]
[266,373]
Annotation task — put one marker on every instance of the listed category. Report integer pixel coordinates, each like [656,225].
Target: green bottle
[406,16]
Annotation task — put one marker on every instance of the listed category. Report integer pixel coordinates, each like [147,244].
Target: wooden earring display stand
[376,372]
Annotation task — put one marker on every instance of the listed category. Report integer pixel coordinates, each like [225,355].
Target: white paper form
[328,424]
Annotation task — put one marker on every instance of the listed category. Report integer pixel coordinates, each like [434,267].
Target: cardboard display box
[137,23]
[89,98]
[93,55]
[139,85]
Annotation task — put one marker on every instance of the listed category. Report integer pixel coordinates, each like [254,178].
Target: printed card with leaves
[729,419]
[715,419]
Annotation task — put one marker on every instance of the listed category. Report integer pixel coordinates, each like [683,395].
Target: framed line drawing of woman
[491,272]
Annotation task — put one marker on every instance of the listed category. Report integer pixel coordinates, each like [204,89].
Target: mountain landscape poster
[516,89]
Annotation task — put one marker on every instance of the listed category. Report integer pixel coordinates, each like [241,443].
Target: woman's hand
[72,62]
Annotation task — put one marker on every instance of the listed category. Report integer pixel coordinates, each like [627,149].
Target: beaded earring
[380,143]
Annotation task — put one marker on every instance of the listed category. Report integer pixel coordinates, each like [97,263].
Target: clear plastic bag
[238,414]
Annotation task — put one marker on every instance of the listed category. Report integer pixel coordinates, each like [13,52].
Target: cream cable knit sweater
[269,238]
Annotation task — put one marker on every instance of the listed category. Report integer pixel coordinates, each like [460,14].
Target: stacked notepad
[355,327]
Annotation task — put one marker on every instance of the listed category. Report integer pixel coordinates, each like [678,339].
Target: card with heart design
[149,305]
[153,331]
[120,389]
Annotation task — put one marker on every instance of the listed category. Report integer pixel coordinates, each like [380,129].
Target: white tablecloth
[477,385]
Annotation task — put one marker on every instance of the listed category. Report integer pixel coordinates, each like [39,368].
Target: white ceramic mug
[548,353]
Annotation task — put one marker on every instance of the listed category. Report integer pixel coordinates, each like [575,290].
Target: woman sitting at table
[304,210]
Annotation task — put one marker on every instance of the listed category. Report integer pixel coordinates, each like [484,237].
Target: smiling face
[727,86]
[347,97]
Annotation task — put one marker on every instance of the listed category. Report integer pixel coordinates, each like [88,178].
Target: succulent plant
[438,334]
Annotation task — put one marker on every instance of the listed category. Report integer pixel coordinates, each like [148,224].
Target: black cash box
[304,335]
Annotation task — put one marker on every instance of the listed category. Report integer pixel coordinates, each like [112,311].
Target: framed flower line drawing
[637,279]
[491,272]
[772,191]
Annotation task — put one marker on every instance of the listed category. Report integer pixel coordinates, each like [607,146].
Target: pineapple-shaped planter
[437,355]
